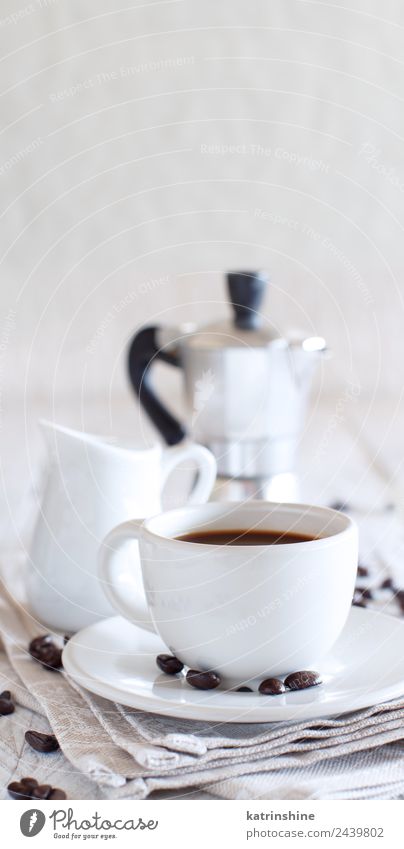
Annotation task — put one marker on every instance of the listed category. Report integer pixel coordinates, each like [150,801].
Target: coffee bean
[42,791]
[341,506]
[362,571]
[41,742]
[387,584]
[22,789]
[57,794]
[358,599]
[303,679]
[28,788]
[30,782]
[169,664]
[367,594]
[272,687]
[244,690]
[18,791]
[7,705]
[202,680]
[400,598]
[38,643]
[44,650]
[66,639]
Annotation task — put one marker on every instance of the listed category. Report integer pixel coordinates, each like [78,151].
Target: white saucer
[117,660]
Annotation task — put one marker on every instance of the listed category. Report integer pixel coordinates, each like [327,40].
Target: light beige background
[109,179]
[148,147]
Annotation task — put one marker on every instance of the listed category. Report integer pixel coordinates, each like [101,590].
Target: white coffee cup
[244,611]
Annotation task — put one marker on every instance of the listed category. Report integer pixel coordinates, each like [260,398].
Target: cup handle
[207,469]
[117,580]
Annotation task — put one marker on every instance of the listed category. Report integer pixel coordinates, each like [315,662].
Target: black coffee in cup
[244,537]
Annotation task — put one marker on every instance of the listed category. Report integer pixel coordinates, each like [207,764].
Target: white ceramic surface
[116,660]
[91,485]
[245,611]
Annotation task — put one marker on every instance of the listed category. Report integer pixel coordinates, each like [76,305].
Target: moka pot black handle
[143,352]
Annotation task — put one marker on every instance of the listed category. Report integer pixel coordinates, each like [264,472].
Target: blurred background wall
[146,149]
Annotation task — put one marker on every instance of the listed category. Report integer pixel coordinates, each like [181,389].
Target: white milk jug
[93,485]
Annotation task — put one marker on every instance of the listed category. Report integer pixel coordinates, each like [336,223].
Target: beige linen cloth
[109,751]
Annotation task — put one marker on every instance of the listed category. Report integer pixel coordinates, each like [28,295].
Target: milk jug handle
[206,468]
[143,353]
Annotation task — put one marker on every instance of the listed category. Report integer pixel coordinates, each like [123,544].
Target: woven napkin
[111,751]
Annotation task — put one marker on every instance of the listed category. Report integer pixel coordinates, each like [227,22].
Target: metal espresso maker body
[246,390]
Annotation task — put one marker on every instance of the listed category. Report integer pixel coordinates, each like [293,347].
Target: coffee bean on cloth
[28,788]
[41,742]
[22,789]
[44,650]
[202,680]
[358,599]
[57,794]
[169,664]
[272,687]
[42,791]
[303,679]
[7,705]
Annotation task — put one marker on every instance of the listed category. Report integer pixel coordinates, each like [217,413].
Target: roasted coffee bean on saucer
[363,572]
[41,742]
[387,584]
[367,594]
[44,650]
[7,705]
[202,680]
[400,598]
[272,687]
[169,664]
[244,690]
[302,680]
